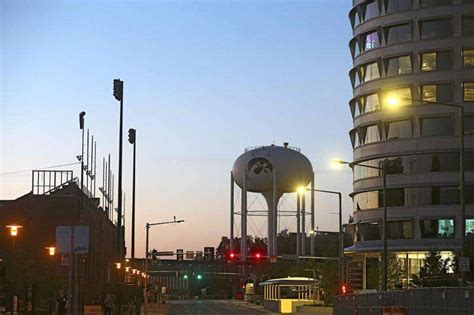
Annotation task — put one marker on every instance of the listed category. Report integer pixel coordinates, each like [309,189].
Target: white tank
[266,166]
[293,169]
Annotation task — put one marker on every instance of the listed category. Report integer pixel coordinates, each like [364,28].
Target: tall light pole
[341,232]
[395,102]
[383,170]
[133,140]
[81,157]
[118,94]
[147,241]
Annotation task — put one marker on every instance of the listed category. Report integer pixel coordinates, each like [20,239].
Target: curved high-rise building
[417,51]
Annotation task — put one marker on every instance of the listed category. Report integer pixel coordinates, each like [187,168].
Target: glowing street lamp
[14,229]
[51,250]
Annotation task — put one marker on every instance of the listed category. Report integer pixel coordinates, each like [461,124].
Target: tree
[434,272]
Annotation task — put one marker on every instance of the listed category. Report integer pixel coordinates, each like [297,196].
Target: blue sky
[203,80]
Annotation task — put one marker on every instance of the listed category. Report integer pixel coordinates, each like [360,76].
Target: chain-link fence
[423,301]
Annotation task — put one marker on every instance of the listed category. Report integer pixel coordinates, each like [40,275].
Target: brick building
[39,212]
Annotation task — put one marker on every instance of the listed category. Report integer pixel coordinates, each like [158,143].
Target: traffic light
[179,255]
[232,255]
[258,256]
[199,277]
[185,277]
[132,135]
[118,89]
[154,253]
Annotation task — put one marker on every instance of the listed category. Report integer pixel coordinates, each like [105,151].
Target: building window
[437,93]
[432,3]
[401,129]
[372,134]
[372,41]
[370,103]
[366,200]
[371,10]
[370,71]
[468,26]
[437,126]
[468,58]
[403,95]
[437,228]
[355,19]
[399,230]
[469,124]
[369,231]
[432,29]
[440,60]
[394,6]
[468,91]
[444,195]
[395,197]
[398,34]
[399,65]
[469,226]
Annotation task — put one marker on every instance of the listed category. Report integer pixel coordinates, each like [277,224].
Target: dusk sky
[203,80]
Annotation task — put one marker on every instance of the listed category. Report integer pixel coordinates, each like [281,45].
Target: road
[197,307]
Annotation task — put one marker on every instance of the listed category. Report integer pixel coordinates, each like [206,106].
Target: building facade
[38,275]
[416,51]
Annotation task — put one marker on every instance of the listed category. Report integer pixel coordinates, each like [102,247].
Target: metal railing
[422,301]
[262,146]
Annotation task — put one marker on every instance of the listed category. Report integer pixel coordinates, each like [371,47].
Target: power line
[47,167]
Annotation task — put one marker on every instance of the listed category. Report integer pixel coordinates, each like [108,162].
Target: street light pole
[118,94]
[147,242]
[132,138]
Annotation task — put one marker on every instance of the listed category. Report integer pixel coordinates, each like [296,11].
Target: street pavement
[197,307]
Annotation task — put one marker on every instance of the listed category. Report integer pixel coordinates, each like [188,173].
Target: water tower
[272,171]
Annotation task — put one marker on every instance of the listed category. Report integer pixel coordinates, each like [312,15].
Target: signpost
[72,240]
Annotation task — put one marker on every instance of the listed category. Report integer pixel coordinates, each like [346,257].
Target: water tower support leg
[303,224]
[298,224]
[243,241]
[231,211]
[274,216]
[312,218]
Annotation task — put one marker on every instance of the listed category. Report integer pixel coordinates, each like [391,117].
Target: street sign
[464,264]
[189,254]
[167,253]
[78,236]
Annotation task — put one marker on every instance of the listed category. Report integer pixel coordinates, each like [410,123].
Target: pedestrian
[108,304]
[61,303]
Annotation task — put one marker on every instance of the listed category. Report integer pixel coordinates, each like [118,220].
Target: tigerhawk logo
[259,166]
